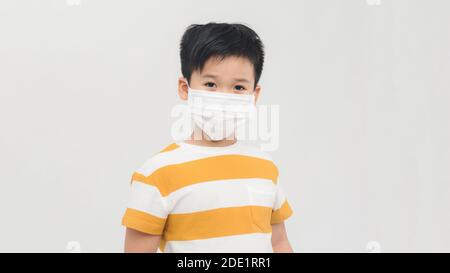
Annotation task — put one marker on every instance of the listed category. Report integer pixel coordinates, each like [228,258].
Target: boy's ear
[182,88]
[257,91]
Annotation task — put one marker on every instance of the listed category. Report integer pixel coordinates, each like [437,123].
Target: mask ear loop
[189,87]
[187,83]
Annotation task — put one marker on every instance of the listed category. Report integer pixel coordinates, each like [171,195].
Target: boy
[211,193]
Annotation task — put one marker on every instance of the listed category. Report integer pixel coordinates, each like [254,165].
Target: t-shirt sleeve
[147,209]
[281,209]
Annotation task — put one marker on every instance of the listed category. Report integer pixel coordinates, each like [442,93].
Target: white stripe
[185,154]
[280,197]
[148,199]
[221,194]
[253,242]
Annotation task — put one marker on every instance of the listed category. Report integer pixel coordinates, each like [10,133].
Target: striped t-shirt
[208,199]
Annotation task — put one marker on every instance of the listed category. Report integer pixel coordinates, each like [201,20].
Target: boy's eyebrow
[209,76]
[235,79]
[241,80]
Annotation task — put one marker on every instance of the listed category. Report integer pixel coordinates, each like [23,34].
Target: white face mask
[219,114]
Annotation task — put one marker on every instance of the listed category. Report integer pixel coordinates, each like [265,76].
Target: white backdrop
[86,89]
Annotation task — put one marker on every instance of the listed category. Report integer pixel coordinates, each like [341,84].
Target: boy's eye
[239,88]
[210,84]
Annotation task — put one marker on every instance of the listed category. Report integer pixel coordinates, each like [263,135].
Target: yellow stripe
[173,177]
[218,222]
[281,214]
[143,222]
[170,147]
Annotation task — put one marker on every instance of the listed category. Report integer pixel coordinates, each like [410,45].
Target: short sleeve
[147,209]
[281,209]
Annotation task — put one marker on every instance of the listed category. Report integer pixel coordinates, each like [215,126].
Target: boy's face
[230,75]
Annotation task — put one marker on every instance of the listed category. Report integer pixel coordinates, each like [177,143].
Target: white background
[86,89]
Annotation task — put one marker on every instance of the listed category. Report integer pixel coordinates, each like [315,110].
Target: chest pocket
[261,200]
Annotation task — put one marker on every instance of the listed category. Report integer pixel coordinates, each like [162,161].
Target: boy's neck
[211,143]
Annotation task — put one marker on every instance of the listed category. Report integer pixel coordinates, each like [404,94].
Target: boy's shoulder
[163,157]
[255,151]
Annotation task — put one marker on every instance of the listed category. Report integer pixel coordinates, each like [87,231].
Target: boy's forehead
[228,67]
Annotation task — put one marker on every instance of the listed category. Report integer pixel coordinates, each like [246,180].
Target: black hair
[219,40]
